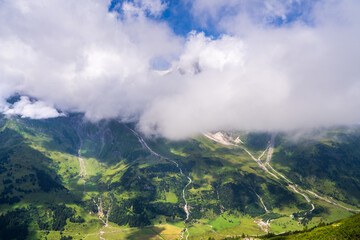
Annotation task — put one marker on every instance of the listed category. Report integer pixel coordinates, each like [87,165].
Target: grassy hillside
[66,177]
[347,229]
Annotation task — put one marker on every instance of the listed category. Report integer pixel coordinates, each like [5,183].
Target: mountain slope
[104,180]
[329,165]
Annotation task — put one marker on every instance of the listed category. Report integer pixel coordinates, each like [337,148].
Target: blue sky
[179,15]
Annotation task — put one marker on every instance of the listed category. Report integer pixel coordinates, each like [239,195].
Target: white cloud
[204,52]
[35,110]
[76,56]
[256,11]
[155,7]
[79,56]
[140,8]
[296,76]
[222,88]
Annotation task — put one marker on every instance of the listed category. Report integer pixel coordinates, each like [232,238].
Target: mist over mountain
[270,65]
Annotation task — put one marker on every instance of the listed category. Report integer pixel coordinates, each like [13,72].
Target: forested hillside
[70,178]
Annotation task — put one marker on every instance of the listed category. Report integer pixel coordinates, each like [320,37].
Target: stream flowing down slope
[98,205]
[82,170]
[276,174]
[186,206]
[266,166]
[270,170]
[296,188]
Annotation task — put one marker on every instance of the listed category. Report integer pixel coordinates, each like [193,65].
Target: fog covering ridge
[76,56]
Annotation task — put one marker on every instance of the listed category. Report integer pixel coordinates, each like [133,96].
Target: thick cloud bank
[78,56]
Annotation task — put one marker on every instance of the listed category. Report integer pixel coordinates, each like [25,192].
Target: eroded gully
[98,203]
[186,206]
